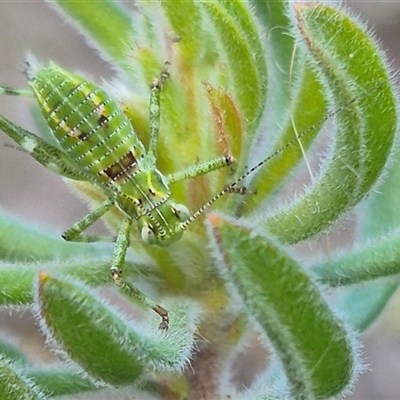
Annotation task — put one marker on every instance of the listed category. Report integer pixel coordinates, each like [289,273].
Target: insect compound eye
[148,235]
[181,212]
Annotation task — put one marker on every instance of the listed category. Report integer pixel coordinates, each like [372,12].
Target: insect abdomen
[89,126]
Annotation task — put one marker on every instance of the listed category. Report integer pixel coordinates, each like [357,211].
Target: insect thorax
[146,197]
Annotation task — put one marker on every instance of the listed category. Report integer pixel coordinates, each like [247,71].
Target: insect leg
[73,234]
[120,249]
[201,168]
[49,156]
[154,117]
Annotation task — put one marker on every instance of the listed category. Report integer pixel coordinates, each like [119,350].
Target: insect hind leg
[74,233]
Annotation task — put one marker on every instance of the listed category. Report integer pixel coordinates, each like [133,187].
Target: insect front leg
[74,233]
[117,267]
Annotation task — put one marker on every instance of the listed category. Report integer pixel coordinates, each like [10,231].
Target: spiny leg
[154,117]
[74,233]
[120,249]
[47,155]
[119,254]
[201,168]
[195,170]
[205,168]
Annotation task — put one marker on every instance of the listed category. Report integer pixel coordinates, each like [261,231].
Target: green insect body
[97,136]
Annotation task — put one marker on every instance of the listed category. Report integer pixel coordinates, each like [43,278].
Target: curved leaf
[305,117]
[353,68]
[312,344]
[56,381]
[377,259]
[110,347]
[239,39]
[15,385]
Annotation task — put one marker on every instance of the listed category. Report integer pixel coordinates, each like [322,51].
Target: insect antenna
[232,187]
[7,91]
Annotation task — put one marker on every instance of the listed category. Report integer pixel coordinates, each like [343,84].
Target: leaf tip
[43,277]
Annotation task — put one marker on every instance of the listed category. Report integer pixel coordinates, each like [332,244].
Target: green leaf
[312,344]
[56,381]
[237,35]
[65,304]
[105,334]
[280,46]
[12,353]
[355,73]
[296,102]
[306,116]
[17,279]
[15,385]
[363,303]
[186,28]
[376,259]
[104,21]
